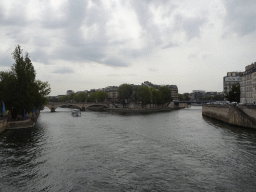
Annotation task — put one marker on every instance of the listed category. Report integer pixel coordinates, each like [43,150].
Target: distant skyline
[81,45]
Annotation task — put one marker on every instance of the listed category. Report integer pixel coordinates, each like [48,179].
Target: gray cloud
[115,62]
[59,35]
[169,45]
[6,59]
[63,70]
[190,25]
[240,16]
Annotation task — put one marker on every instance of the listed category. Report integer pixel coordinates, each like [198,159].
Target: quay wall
[30,122]
[244,116]
[3,125]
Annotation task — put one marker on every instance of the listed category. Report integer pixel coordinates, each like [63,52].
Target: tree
[186,96]
[19,88]
[166,94]
[234,94]
[181,98]
[71,96]
[63,98]
[83,97]
[76,98]
[144,95]
[92,97]
[101,96]
[124,92]
[157,97]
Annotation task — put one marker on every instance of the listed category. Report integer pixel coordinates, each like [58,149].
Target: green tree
[92,97]
[157,97]
[71,96]
[124,92]
[144,95]
[83,97]
[101,96]
[234,94]
[181,98]
[76,98]
[19,89]
[166,94]
[186,96]
[63,98]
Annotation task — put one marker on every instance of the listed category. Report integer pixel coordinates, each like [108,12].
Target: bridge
[81,106]
[195,101]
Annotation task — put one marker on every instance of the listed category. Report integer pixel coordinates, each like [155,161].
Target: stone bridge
[81,106]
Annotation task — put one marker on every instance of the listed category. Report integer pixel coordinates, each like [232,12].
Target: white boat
[76,112]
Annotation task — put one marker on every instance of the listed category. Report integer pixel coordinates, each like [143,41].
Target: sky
[89,44]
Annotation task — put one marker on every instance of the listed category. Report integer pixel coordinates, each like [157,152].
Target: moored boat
[76,112]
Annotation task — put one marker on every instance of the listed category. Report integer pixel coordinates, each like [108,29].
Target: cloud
[240,16]
[96,31]
[115,63]
[6,59]
[169,45]
[63,70]
[190,25]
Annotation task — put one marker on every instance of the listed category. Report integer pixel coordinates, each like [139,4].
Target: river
[99,151]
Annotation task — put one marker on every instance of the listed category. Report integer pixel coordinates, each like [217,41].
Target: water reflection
[168,151]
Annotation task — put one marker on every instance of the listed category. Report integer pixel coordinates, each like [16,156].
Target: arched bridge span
[81,106]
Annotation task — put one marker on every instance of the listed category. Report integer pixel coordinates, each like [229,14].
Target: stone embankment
[3,125]
[244,116]
[138,108]
[30,122]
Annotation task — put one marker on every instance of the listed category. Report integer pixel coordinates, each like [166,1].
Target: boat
[76,112]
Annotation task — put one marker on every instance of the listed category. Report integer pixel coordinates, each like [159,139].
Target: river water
[99,151]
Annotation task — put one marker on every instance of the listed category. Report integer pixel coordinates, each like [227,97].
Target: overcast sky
[81,45]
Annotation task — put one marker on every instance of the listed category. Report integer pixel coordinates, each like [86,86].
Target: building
[174,91]
[232,78]
[248,84]
[112,93]
[197,94]
[69,92]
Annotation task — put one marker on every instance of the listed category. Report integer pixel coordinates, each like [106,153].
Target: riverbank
[137,110]
[244,116]
[29,122]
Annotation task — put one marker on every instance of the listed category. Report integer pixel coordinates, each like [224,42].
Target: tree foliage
[63,98]
[234,94]
[19,88]
[92,97]
[166,94]
[184,97]
[157,97]
[124,91]
[101,96]
[144,95]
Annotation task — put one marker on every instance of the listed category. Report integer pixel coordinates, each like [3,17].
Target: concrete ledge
[21,124]
[244,116]
[3,125]
[136,110]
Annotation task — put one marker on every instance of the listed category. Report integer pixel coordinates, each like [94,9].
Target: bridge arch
[81,106]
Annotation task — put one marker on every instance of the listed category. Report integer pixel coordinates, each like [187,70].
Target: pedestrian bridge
[81,106]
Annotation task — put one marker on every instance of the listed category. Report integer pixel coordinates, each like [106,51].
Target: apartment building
[232,78]
[248,84]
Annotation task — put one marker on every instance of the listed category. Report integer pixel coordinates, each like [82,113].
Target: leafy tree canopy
[234,94]
[101,96]
[18,87]
[166,94]
[144,94]
[124,91]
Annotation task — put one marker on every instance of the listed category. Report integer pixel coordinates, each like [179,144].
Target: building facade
[248,85]
[232,78]
[174,91]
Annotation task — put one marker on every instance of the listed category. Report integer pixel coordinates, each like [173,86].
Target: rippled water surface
[168,151]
